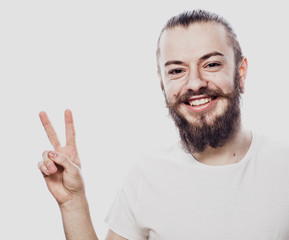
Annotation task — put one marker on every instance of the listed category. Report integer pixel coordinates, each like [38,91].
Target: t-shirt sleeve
[122,216]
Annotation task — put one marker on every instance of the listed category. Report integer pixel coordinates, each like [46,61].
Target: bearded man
[221,182]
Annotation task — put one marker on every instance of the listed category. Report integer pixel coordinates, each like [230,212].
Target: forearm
[77,221]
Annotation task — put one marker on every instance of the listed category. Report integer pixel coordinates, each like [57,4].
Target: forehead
[194,41]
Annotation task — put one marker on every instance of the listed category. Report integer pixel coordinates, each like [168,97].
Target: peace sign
[61,167]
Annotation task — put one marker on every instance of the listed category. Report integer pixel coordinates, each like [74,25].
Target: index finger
[51,134]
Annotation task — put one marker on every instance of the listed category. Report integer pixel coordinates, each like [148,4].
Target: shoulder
[150,169]
[270,146]
[271,153]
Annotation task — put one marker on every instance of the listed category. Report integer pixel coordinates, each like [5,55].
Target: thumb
[62,160]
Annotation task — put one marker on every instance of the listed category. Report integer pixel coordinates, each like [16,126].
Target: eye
[176,71]
[213,65]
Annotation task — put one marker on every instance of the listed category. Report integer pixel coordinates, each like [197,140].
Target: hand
[61,167]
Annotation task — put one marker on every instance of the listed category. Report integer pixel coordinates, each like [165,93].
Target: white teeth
[198,102]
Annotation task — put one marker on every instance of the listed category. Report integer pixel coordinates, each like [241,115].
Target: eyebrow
[173,62]
[211,55]
[177,62]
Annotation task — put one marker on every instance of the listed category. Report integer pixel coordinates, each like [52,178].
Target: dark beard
[197,137]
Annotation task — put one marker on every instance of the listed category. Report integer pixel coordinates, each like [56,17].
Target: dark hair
[187,18]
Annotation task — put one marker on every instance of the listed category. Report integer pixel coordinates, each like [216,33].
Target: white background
[98,59]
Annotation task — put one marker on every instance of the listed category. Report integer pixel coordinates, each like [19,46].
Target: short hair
[185,19]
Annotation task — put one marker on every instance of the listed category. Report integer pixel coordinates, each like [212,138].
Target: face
[198,73]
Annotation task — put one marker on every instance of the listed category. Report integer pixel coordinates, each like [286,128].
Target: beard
[206,130]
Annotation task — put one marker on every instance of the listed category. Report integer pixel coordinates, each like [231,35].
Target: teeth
[198,102]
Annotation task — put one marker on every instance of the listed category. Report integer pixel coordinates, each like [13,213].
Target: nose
[195,81]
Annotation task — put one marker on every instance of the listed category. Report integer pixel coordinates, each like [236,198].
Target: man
[221,182]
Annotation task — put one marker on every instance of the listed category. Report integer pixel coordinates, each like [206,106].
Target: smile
[201,103]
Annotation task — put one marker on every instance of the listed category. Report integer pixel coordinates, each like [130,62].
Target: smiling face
[197,70]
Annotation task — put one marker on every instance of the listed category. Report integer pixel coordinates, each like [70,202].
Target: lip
[201,108]
[198,97]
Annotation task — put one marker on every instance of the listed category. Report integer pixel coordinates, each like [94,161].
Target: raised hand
[61,167]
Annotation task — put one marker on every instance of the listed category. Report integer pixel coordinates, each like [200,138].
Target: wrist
[76,204]
[76,219]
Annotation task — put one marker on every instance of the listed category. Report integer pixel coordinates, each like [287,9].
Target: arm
[61,171]
[76,219]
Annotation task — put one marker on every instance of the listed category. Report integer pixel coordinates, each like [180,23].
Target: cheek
[173,89]
[222,81]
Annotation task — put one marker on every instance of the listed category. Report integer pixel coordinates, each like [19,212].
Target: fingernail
[52,154]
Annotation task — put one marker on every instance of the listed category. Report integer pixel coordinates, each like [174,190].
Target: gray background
[98,59]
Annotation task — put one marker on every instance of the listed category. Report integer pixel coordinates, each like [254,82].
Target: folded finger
[62,160]
[49,164]
[43,169]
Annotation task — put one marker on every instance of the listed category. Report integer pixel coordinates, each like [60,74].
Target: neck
[231,152]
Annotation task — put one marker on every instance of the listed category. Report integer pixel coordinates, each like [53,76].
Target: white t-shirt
[170,195]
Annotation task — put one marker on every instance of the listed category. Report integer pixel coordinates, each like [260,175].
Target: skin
[182,67]
[62,174]
[196,57]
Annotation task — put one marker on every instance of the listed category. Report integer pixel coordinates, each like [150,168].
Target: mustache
[214,93]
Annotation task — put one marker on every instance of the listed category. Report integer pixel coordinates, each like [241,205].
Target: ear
[243,73]
[161,82]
